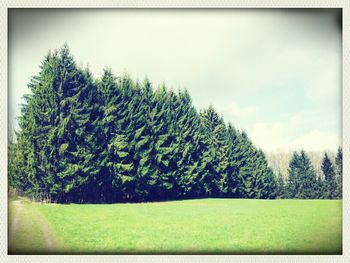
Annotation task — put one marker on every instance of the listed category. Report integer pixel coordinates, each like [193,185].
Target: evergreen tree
[142,138]
[208,170]
[37,123]
[281,187]
[339,173]
[124,142]
[265,180]
[75,133]
[114,140]
[329,176]
[112,149]
[222,146]
[187,158]
[163,179]
[231,182]
[302,181]
[14,166]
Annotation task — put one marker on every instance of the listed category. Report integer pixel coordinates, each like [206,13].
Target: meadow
[201,226]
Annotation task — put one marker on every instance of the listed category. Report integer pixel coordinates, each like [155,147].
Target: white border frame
[6,4]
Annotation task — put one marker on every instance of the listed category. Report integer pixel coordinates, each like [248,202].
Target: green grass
[205,226]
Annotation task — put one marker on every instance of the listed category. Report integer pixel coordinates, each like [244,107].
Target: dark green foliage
[281,191]
[116,140]
[339,174]
[187,126]
[329,177]
[302,180]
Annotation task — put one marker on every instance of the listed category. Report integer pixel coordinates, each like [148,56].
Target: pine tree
[15,174]
[37,122]
[142,139]
[187,159]
[208,170]
[112,140]
[222,146]
[246,155]
[265,180]
[163,179]
[281,187]
[170,149]
[124,163]
[339,173]
[111,149]
[302,181]
[329,176]
[256,179]
[231,182]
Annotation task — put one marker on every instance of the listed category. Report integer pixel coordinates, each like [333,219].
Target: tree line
[113,139]
[116,140]
[302,181]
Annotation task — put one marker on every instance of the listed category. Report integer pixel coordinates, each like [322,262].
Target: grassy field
[204,226]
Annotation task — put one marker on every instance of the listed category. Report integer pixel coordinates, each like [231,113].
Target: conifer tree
[124,144]
[302,181]
[74,134]
[208,170]
[231,182]
[339,173]
[142,138]
[112,147]
[281,187]
[162,118]
[223,152]
[37,123]
[187,126]
[114,140]
[170,177]
[329,177]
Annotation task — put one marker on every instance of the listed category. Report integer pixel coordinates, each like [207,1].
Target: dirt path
[47,232]
[14,224]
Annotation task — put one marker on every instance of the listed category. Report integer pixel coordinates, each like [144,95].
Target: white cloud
[270,136]
[240,111]
[219,56]
[317,141]
[277,136]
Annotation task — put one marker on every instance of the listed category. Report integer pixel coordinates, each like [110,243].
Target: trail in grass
[47,234]
[15,221]
[29,225]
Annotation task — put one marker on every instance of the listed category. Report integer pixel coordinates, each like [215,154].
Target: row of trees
[114,140]
[302,181]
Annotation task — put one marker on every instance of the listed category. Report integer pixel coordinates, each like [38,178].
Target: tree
[34,163]
[187,156]
[231,182]
[281,187]
[302,181]
[142,138]
[112,148]
[208,170]
[339,173]
[329,177]
[115,140]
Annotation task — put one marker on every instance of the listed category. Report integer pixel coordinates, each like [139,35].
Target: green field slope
[205,226]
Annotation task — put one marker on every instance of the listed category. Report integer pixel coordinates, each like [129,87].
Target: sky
[274,73]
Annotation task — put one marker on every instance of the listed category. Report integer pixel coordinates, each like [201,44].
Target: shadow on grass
[173,252]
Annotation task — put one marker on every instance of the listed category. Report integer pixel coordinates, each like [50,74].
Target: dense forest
[113,139]
[303,182]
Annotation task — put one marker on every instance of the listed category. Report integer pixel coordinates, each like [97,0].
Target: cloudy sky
[274,73]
